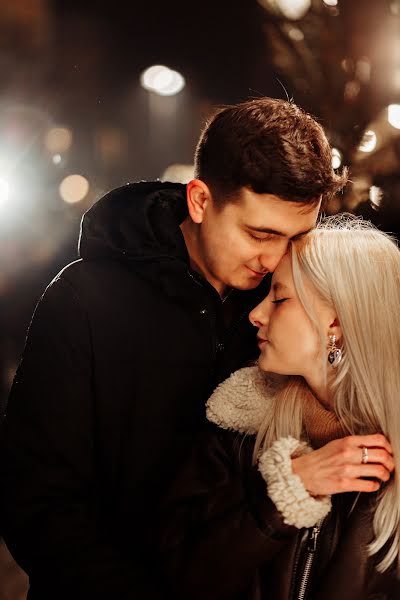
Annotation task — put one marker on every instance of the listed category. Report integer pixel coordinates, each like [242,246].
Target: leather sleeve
[218,526]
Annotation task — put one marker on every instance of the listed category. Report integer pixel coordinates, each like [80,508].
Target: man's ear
[336,330]
[198,195]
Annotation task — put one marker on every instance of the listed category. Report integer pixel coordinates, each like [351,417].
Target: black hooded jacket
[124,348]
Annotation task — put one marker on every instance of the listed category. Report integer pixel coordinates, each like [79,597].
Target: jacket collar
[241,402]
[139,221]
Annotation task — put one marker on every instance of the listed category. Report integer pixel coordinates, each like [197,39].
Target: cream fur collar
[240,402]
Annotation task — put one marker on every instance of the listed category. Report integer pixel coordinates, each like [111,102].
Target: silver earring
[335,354]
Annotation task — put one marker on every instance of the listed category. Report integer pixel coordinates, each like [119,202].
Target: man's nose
[259,316]
[269,261]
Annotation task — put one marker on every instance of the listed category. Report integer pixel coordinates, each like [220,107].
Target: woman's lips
[261,341]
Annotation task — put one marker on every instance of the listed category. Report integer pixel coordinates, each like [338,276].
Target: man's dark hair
[270,146]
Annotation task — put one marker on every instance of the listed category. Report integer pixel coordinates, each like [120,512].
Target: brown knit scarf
[321,425]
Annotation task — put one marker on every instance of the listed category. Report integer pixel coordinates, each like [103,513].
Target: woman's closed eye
[279,301]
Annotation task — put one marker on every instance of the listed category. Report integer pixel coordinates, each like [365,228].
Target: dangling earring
[335,354]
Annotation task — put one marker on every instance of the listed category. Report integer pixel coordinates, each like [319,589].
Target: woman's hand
[337,466]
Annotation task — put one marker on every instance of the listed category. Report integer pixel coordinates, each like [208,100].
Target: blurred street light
[74,188]
[148,76]
[336,158]
[294,9]
[291,9]
[363,70]
[58,140]
[368,142]
[375,196]
[162,80]
[296,34]
[394,115]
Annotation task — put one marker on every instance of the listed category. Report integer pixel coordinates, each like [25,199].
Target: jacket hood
[137,221]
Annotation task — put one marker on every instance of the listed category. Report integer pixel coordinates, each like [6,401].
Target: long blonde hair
[355,269]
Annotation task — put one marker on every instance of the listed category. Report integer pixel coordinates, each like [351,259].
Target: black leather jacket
[223,539]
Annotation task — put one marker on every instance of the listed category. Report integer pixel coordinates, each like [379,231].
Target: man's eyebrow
[298,236]
[267,230]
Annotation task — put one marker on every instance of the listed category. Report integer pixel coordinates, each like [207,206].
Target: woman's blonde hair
[355,269]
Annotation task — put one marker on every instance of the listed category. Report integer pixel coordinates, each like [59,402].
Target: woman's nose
[259,315]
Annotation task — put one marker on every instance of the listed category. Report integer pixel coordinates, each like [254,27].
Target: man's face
[243,241]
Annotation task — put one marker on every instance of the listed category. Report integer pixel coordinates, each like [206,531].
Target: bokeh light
[336,158]
[162,80]
[291,9]
[375,196]
[368,142]
[295,34]
[331,2]
[394,115]
[148,76]
[74,188]
[58,140]
[363,70]
[294,9]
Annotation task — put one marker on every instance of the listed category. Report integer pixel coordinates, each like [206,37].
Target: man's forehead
[293,234]
[302,207]
[269,214]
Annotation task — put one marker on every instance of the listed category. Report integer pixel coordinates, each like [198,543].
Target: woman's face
[289,343]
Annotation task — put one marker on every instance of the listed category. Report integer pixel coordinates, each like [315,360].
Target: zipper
[302,540]
[310,556]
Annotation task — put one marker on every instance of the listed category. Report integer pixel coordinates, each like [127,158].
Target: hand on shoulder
[337,467]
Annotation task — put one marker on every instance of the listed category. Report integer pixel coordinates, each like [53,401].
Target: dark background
[77,65]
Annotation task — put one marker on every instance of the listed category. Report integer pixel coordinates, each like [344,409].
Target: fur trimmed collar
[240,402]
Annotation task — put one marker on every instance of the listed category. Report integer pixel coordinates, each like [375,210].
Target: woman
[292,492]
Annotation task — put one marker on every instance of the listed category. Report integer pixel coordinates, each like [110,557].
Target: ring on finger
[364,458]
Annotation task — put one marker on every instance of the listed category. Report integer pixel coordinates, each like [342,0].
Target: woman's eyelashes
[279,301]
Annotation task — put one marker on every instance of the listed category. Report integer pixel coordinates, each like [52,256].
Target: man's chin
[249,284]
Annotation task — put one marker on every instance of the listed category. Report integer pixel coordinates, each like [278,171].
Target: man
[128,342]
